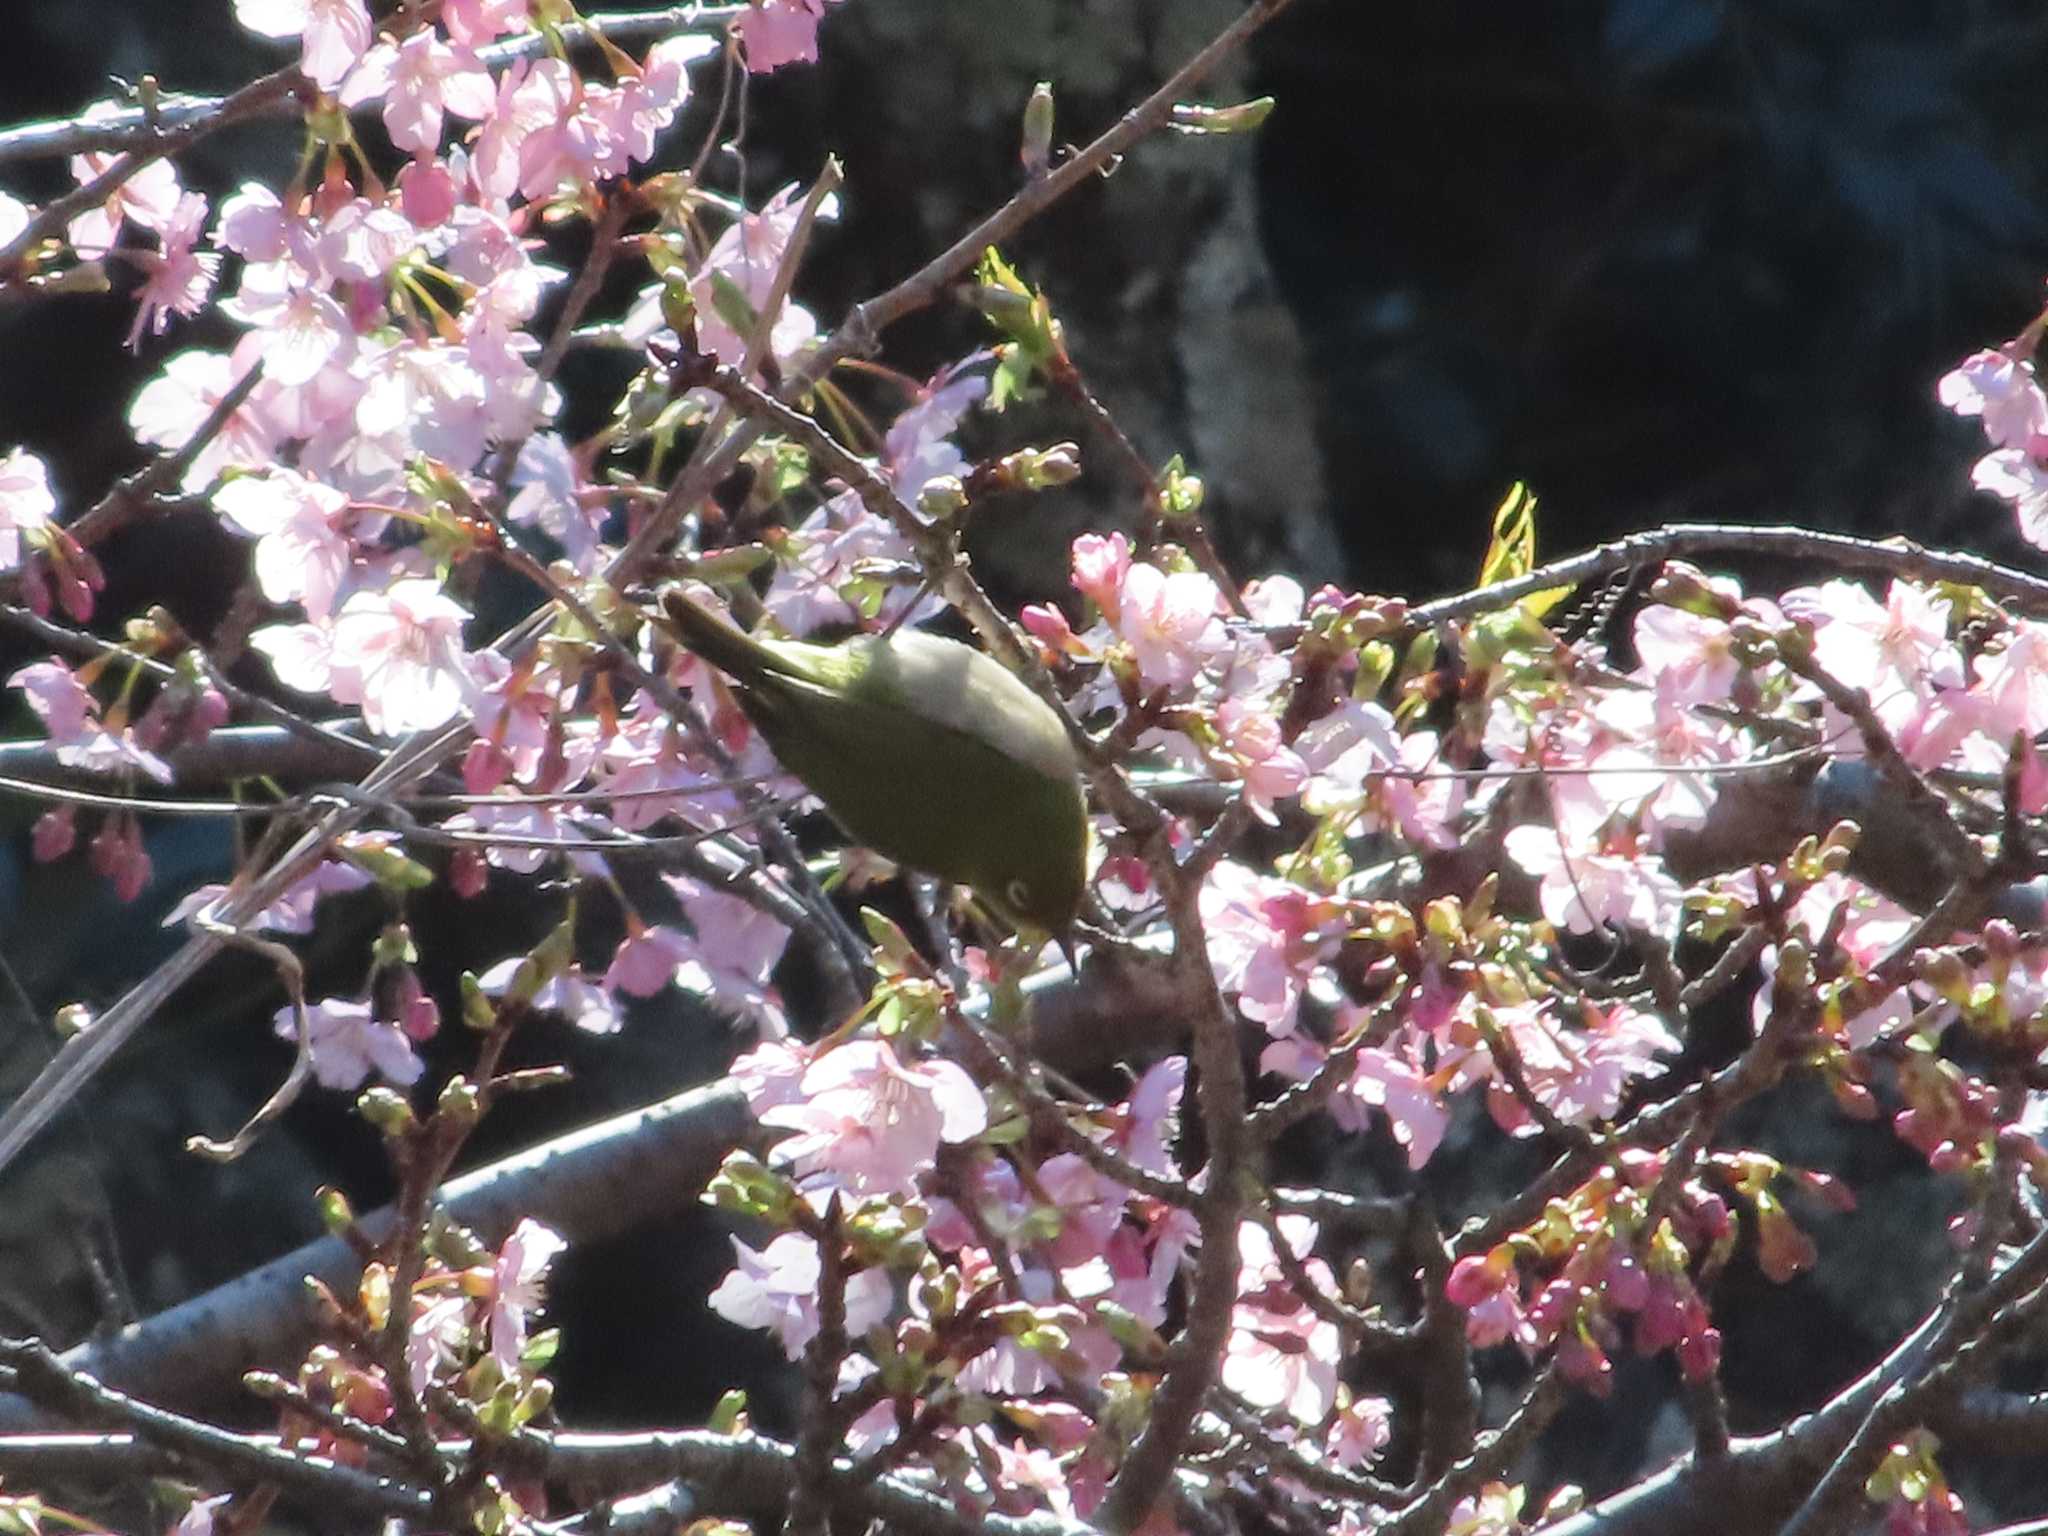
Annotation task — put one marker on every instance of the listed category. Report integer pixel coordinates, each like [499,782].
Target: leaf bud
[1036,150]
[1040,469]
[1242,118]
[460,1102]
[336,1215]
[943,497]
[386,1109]
[1944,971]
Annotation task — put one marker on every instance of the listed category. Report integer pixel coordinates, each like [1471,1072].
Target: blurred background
[1661,259]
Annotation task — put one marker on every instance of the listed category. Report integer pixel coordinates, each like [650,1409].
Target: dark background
[1662,259]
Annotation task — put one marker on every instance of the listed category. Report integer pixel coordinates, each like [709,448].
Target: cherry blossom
[1390,1080]
[350,1045]
[419,80]
[333,34]
[1999,388]
[71,715]
[171,408]
[1266,937]
[26,502]
[517,1280]
[302,555]
[776,1288]
[1282,1353]
[400,652]
[584,1003]
[178,277]
[734,952]
[293,910]
[14,218]
[1584,889]
[748,255]
[867,1121]
[778,32]
[150,197]
[1173,624]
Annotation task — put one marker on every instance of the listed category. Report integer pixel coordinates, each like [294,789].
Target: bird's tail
[727,647]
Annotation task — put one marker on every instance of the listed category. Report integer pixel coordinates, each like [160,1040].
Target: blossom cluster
[1444,873]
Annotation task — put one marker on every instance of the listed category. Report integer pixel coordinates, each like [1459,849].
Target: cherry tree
[1589,858]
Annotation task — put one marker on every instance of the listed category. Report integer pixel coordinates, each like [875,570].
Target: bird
[926,750]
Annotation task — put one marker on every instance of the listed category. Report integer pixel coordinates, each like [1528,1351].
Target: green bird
[925,750]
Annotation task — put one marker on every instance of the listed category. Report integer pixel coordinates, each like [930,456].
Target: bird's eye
[1017,893]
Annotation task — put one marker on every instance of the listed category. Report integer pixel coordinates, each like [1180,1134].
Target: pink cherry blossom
[646,961]
[1147,1120]
[1584,889]
[554,495]
[150,197]
[171,408]
[2019,476]
[14,218]
[1578,1074]
[54,834]
[1275,600]
[438,1329]
[1251,749]
[304,328]
[26,502]
[748,254]
[404,649]
[776,1289]
[833,544]
[301,553]
[778,32]
[734,953]
[349,1045]
[71,715]
[333,34]
[1266,938]
[2001,389]
[253,224]
[1388,1079]
[1173,624]
[1360,1432]
[1282,1354]
[517,1289]
[293,910]
[583,1002]
[1897,652]
[419,80]
[871,1123]
[178,277]
[771,1073]
[118,854]
[200,1516]
[1100,565]
[476,22]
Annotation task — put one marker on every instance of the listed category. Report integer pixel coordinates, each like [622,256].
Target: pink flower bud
[1472,1280]
[54,833]
[1699,1354]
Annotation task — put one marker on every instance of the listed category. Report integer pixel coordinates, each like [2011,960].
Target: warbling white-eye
[925,750]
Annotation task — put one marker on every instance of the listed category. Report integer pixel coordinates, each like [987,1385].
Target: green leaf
[1512,550]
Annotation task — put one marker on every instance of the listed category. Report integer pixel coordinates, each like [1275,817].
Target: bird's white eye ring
[1017,893]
